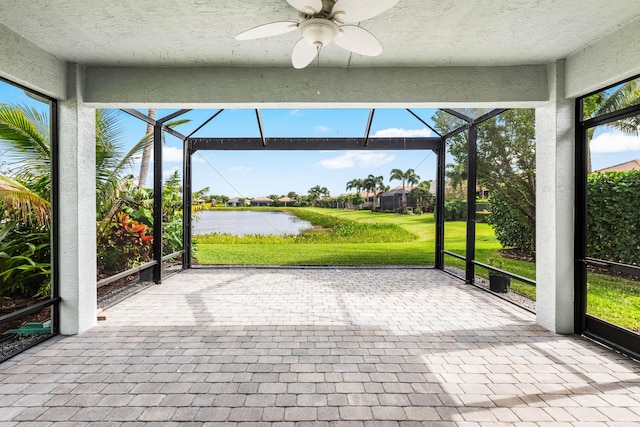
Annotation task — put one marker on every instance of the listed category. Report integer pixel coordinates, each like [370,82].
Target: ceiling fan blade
[302,54]
[358,40]
[268,30]
[358,10]
[310,7]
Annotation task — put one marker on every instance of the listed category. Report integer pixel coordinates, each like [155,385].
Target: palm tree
[146,153]
[316,192]
[148,145]
[382,188]
[371,184]
[324,193]
[409,176]
[356,183]
[457,174]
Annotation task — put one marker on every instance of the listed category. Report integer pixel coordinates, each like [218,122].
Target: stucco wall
[608,61]
[26,64]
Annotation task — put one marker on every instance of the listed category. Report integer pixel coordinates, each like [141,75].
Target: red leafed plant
[127,244]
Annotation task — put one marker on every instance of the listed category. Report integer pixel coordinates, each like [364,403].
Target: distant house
[286,200]
[236,202]
[623,167]
[482,192]
[261,201]
[369,199]
[392,199]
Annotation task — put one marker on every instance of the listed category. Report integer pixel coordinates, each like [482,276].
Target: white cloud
[240,169]
[174,155]
[171,154]
[170,172]
[295,113]
[403,133]
[355,159]
[321,128]
[615,142]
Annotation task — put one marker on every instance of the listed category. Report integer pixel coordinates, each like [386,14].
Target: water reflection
[240,223]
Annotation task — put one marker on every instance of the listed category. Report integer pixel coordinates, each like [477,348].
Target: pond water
[240,223]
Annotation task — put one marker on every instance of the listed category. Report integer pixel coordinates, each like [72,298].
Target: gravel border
[14,344]
[121,293]
[515,297]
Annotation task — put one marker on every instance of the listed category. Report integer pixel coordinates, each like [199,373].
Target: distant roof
[622,167]
[285,199]
[397,190]
[370,193]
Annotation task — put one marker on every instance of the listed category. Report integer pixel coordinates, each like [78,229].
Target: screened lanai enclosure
[468,120]
[471,60]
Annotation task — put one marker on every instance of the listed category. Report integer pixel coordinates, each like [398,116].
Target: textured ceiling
[414,33]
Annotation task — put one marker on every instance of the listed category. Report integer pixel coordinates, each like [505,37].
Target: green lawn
[417,249]
[610,298]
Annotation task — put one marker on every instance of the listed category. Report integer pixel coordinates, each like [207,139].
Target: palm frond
[129,157]
[24,131]
[109,128]
[173,123]
[26,203]
[625,96]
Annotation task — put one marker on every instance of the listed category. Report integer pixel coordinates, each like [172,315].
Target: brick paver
[319,347]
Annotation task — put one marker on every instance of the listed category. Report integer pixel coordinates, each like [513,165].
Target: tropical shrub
[513,229]
[423,198]
[25,262]
[127,243]
[613,222]
[357,200]
[455,210]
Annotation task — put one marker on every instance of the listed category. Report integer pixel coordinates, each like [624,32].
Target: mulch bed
[517,255]
[11,344]
[8,306]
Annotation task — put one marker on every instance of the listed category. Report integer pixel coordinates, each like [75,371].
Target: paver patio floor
[319,347]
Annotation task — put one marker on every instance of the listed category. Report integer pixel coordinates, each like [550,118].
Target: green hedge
[455,210]
[513,229]
[613,222]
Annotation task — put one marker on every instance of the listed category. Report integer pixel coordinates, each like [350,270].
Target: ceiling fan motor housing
[318,32]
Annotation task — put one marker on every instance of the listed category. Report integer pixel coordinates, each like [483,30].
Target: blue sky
[261,173]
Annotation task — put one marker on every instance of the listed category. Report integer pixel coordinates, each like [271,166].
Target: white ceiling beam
[608,61]
[516,86]
[27,64]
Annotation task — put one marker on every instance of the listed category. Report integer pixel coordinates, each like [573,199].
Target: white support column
[555,201]
[77,224]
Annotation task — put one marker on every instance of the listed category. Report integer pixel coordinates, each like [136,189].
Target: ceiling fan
[320,25]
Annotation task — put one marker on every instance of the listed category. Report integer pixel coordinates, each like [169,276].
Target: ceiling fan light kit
[318,32]
[319,27]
